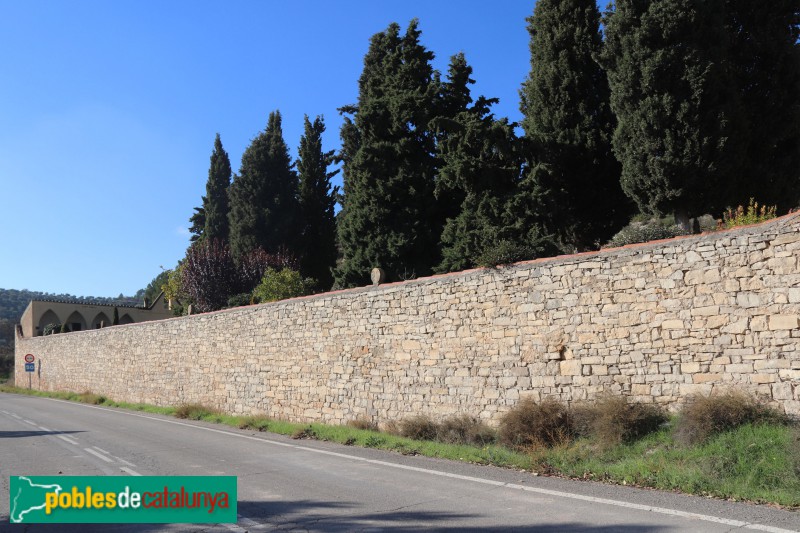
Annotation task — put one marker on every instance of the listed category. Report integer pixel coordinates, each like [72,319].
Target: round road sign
[29,358]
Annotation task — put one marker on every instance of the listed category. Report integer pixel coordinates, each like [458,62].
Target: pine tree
[766,58]
[479,166]
[317,250]
[568,125]
[676,104]
[263,197]
[388,149]
[215,202]
[115,317]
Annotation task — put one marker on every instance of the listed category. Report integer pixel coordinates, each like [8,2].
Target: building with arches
[80,317]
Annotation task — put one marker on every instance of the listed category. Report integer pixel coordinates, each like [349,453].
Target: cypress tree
[197,223]
[215,202]
[318,226]
[479,166]
[115,317]
[568,125]
[263,197]
[766,58]
[388,154]
[676,104]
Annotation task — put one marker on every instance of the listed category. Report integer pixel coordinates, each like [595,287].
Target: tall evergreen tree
[479,166]
[317,251]
[388,152]
[676,104]
[263,197]
[568,125]
[766,59]
[215,202]
[198,223]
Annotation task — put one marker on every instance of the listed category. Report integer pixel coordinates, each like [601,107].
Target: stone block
[779,322]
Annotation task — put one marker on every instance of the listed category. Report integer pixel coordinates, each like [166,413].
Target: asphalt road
[286,484]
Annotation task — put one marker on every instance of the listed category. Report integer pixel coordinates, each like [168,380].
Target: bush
[530,425]
[279,285]
[418,427]
[362,422]
[505,252]
[704,416]
[465,429]
[651,230]
[752,215]
[194,411]
[239,300]
[612,420]
[50,329]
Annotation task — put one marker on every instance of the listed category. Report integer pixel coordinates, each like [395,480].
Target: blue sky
[108,112]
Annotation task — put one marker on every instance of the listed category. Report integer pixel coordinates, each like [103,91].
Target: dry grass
[614,420]
[362,422]
[531,425]
[705,416]
[418,427]
[194,411]
[465,429]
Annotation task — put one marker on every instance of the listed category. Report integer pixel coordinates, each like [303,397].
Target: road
[306,485]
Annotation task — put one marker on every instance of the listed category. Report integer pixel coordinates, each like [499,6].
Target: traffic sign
[30,367]
[29,358]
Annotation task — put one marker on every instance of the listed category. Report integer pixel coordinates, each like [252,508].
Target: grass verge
[754,462]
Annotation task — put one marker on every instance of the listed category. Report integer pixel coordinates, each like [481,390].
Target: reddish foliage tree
[210,276]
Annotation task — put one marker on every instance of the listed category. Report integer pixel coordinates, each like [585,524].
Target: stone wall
[658,322]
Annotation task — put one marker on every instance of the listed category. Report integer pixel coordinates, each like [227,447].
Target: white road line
[16,416]
[98,454]
[129,471]
[101,450]
[121,460]
[29,422]
[44,428]
[67,439]
[556,493]
[6,412]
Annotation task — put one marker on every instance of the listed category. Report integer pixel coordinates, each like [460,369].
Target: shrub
[239,300]
[505,252]
[612,420]
[49,329]
[362,422]
[465,429]
[530,425]
[704,416]
[194,411]
[279,285]
[64,328]
[752,215]
[418,427]
[651,230]
[91,398]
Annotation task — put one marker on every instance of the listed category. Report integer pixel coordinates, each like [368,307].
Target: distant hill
[13,303]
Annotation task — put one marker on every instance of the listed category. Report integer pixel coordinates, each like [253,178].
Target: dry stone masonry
[658,322]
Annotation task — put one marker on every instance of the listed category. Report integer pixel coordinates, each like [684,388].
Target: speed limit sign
[29,358]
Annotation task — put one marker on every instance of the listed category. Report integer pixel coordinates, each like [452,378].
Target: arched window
[76,322]
[125,319]
[100,319]
[49,317]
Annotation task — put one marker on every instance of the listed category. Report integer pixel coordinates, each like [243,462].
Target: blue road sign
[30,367]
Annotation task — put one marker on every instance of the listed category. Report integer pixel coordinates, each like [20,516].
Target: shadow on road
[309,515]
[19,434]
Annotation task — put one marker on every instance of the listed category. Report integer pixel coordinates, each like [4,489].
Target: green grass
[758,463]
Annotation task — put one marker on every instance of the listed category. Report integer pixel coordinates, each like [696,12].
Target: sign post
[30,366]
